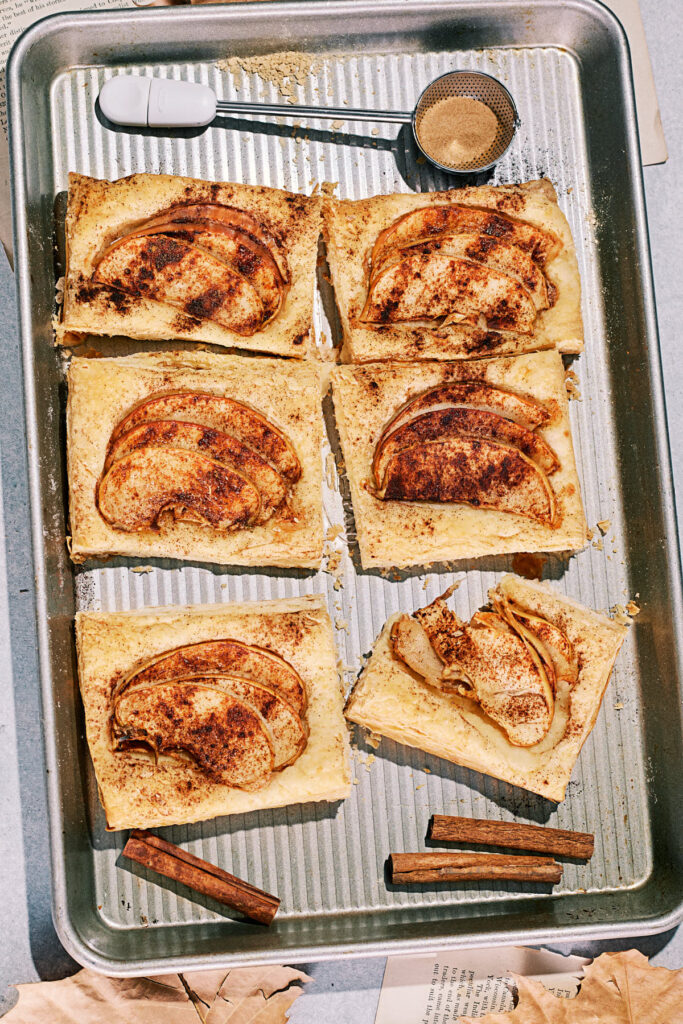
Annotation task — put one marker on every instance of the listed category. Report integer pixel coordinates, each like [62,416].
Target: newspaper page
[441,987]
[18,15]
[15,17]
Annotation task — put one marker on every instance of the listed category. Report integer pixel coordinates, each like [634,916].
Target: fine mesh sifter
[138,101]
[477,86]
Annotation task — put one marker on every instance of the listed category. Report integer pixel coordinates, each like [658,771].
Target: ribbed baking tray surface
[322,858]
[569,74]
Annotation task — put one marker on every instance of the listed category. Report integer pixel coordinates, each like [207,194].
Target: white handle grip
[157,102]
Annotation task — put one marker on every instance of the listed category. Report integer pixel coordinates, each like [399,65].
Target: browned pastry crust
[245,281]
[238,484]
[391,700]
[509,255]
[122,667]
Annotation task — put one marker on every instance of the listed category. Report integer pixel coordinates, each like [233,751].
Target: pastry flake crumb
[625,614]
[330,475]
[373,740]
[333,561]
[604,525]
[142,568]
[571,381]
[619,705]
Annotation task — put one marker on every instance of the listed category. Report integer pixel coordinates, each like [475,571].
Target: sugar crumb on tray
[285,69]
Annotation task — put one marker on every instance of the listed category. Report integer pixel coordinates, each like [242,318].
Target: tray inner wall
[319,858]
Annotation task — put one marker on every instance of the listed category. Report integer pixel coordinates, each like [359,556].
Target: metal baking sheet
[568,68]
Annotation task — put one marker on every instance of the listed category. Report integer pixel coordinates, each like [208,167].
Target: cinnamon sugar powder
[458,131]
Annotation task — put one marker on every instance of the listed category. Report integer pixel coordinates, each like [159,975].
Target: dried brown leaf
[251,995]
[88,998]
[202,988]
[655,994]
[255,1009]
[618,988]
[256,995]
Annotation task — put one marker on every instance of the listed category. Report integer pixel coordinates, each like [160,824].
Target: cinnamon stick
[153,852]
[558,841]
[471,867]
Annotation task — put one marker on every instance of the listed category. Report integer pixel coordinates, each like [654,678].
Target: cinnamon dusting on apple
[197,458]
[210,261]
[469,443]
[237,712]
[508,661]
[449,263]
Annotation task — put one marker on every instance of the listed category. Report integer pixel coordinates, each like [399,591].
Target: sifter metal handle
[165,103]
[325,113]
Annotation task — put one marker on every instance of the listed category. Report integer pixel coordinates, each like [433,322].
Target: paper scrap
[652,142]
[438,988]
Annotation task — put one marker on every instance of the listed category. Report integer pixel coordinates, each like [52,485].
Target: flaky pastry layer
[351,228]
[103,391]
[137,793]
[392,701]
[402,533]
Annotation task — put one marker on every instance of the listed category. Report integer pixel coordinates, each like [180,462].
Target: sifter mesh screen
[476,86]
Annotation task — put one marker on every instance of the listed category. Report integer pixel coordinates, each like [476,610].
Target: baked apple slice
[181,275]
[214,445]
[236,248]
[491,252]
[471,471]
[148,482]
[551,642]
[223,414]
[285,729]
[412,645]
[429,286]
[228,658]
[475,394]
[428,222]
[493,666]
[223,736]
[456,420]
[227,216]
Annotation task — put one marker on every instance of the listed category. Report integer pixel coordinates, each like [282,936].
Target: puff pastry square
[137,793]
[351,228]
[101,211]
[391,701]
[103,391]
[404,533]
